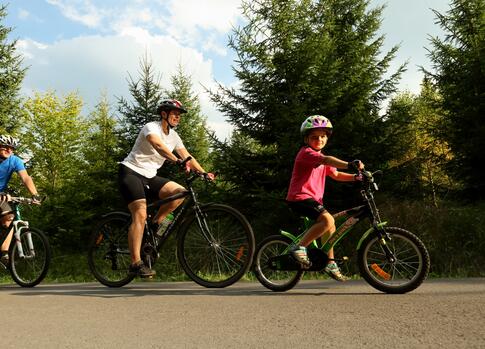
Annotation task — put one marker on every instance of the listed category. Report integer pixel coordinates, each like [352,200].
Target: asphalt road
[316,314]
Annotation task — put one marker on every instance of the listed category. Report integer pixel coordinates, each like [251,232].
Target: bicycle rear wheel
[216,249]
[108,254]
[275,280]
[406,273]
[31,268]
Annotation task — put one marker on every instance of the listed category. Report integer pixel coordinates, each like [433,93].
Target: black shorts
[308,208]
[134,186]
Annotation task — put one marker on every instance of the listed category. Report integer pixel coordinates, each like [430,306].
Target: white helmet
[9,141]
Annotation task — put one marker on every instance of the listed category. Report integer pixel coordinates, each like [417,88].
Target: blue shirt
[7,167]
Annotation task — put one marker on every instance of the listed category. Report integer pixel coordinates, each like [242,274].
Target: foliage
[297,58]
[459,74]
[146,93]
[11,76]
[192,128]
[55,133]
[418,165]
[454,235]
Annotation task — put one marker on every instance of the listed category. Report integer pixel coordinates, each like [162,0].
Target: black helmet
[170,104]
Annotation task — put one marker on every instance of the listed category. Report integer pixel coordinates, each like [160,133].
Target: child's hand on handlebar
[210,176]
[355,165]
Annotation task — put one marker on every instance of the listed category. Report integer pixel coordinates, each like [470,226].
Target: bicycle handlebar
[25,200]
[368,177]
[182,166]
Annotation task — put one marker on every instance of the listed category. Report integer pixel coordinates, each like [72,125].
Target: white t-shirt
[143,158]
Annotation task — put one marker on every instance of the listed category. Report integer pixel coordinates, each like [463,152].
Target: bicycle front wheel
[108,254]
[409,268]
[275,280]
[216,248]
[30,267]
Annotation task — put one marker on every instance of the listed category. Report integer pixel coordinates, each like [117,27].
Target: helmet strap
[166,118]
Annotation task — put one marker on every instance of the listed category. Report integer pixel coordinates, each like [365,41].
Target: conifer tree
[146,93]
[459,74]
[298,58]
[11,76]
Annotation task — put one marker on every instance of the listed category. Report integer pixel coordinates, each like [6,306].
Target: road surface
[315,314]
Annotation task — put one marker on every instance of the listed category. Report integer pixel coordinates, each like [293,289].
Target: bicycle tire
[30,270]
[404,275]
[278,281]
[108,253]
[223,260]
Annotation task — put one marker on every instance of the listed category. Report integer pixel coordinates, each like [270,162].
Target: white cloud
[83,11]
[190,22]
[93,64]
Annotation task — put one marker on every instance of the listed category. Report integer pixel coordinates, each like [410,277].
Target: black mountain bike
[215,242]
[390,259]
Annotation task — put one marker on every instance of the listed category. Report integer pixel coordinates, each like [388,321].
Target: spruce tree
[11,76]
[146,93]
[297,58]
[459,74]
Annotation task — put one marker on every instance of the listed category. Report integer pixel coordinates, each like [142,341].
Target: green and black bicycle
[390,259]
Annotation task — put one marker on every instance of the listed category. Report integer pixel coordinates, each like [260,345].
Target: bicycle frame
[345,221]
[18,225]
[180,215]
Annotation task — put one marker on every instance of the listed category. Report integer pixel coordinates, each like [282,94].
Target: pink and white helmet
[315,121]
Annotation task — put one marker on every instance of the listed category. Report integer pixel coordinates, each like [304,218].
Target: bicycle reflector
[380,272]
[99,239]
[239,253]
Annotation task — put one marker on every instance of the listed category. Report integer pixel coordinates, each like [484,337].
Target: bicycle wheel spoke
[219,251]
[108,253]
[404,272]
[30,269]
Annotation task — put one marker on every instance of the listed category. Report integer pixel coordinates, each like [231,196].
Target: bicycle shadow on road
[147,289]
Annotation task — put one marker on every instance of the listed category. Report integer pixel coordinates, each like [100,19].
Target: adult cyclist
[138,178]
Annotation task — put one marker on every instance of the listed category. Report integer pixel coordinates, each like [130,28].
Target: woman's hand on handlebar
[184,165]
[5,197]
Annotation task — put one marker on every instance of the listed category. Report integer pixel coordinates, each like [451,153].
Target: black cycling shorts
[134,186]
[307,208]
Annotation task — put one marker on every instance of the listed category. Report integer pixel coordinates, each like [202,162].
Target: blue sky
[90,46]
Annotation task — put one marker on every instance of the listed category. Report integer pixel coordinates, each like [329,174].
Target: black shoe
[141,270]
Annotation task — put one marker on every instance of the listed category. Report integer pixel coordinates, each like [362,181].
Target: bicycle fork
[383,238]
[18,226]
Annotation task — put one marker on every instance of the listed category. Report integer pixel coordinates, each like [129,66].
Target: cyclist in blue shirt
[10,163]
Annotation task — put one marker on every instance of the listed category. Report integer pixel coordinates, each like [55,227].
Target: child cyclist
[307,185]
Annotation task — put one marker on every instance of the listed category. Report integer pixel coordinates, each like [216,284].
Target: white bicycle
[29,252]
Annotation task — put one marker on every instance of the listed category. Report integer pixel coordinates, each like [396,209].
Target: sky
[92,46]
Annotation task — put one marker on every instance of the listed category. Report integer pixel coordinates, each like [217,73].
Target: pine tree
[192,128]
[295,59]
[11,76]
[146,92]
[459,74]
